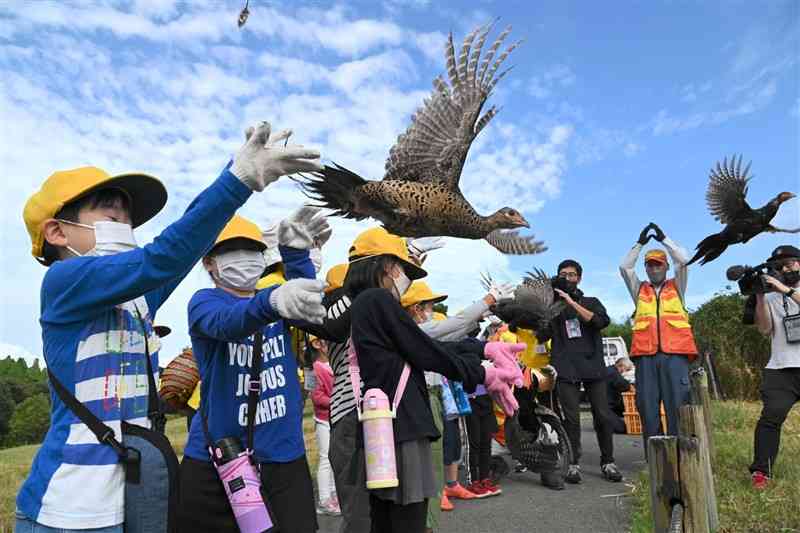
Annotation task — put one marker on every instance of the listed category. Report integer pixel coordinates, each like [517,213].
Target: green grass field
[741,509]
[16,462]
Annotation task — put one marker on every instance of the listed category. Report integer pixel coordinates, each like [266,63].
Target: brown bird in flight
[419,195]
[727,189]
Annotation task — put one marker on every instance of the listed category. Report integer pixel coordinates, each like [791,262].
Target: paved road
[527,506]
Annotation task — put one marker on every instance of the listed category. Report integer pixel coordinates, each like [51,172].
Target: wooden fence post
[693,485]
[662,453]
[699,396]
[692,425]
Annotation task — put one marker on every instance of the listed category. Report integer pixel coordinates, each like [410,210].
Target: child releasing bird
[726,201]
[419,195]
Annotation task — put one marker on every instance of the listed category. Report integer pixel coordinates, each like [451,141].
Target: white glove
[417,248]
[300,299]
[270,237]
[304,228]
[264,158]
[501,291]
[315,254]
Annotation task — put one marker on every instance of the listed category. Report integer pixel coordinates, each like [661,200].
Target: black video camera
[749,278]
[564,284]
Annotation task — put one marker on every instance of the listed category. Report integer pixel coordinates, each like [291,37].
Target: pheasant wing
[536,291]
[727,188]
[510,242]
[435,145]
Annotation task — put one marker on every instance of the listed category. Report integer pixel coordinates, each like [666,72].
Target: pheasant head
[507,218]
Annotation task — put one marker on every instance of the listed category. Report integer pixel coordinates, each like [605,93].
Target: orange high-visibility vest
[661,323]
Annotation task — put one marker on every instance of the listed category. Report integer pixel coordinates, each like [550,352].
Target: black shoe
[574,474]
[611,472]
[519,468]
[552,480]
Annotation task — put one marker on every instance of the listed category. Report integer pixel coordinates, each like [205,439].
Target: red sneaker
[445,504]
[492,488]
[760,480]
[459,492]
[478,489]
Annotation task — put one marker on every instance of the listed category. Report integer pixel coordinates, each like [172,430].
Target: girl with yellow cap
[385,339]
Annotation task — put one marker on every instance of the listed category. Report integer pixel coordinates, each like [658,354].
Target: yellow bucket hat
[335,277]
[378,241]
[420,292]
[148,196]
[241,228]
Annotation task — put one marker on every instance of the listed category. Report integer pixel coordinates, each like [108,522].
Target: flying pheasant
[727,188]
[534,304]
[419,195]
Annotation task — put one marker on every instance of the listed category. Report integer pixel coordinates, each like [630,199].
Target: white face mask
[240,269]
[109,237]
[401,283]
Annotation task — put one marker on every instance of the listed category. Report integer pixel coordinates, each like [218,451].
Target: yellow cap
[273,278]
[378,241]
[420,292]
[147,195]
[656,256]
[241,228]
[335,277]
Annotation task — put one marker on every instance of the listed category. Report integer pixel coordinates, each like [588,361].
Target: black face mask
[791,278]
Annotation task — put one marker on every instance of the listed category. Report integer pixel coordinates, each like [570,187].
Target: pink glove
[497,385]
[504,355]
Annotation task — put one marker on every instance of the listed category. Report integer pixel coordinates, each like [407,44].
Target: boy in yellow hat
[98,301]
[419,300]
[222,325]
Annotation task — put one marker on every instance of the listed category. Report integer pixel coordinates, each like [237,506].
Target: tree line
[24,403]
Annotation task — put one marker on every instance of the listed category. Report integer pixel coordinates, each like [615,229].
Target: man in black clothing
[616,384]
[577,355]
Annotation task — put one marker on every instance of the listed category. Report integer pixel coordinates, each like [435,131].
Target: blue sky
[611,118]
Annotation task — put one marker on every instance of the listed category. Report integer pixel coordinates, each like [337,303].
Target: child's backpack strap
[355,379]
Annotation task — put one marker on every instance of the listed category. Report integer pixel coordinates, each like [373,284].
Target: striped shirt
[94,343]
[342,398]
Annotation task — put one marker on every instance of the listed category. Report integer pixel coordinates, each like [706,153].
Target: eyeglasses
[568,275]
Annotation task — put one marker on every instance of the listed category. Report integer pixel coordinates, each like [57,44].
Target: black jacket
[385,338]
[580,358]
[616,385]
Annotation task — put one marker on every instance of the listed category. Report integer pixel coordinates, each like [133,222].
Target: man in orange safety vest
[662,345]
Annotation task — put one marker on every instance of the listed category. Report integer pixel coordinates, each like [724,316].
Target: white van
[613,349]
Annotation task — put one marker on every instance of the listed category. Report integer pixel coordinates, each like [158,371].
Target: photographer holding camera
[777,314]
[662,345]
[577,355]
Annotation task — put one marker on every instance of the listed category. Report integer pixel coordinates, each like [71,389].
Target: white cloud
[552,80]
[761,58]
[173,102]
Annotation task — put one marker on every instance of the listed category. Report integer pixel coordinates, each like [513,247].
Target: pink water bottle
[377,419]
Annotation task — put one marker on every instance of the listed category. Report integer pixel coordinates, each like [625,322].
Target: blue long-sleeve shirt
[94,343]
[222,326]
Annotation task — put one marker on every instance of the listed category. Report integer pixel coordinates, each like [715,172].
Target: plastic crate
[633,423]
[629,399]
